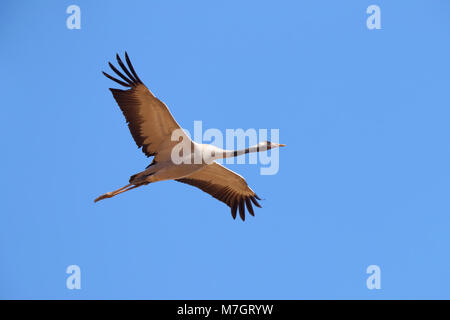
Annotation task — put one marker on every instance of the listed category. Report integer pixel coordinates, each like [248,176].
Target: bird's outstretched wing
[226,186]
[150,122]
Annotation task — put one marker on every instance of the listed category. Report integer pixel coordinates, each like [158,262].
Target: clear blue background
[364,179]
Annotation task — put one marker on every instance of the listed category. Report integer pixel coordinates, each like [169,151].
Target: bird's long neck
[236,153]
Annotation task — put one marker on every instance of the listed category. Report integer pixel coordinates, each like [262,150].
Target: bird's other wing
[150,122]
[226,186]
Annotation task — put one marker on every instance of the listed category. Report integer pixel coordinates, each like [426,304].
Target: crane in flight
[152,126]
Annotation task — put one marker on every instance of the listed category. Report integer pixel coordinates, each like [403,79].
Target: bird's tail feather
[139,178]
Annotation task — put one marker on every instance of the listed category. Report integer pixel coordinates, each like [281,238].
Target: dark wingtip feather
[131,67]
[234,210]
[255,202]
[124,68]
[120,74]
[116,80]
[242,209]
[249,206]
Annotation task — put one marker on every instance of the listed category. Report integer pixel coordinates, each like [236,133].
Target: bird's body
[176,156]
[162,171]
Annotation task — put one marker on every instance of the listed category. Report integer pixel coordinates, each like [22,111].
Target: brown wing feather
[226,186]
[150,122]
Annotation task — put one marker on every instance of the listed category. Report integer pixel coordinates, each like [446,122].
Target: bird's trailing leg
[116,192]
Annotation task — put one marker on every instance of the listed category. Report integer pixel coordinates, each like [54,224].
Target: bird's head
[270,145]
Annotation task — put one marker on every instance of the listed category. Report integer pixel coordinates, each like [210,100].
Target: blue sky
[364,179]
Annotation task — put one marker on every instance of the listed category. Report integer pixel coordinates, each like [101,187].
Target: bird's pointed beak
[282,145]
